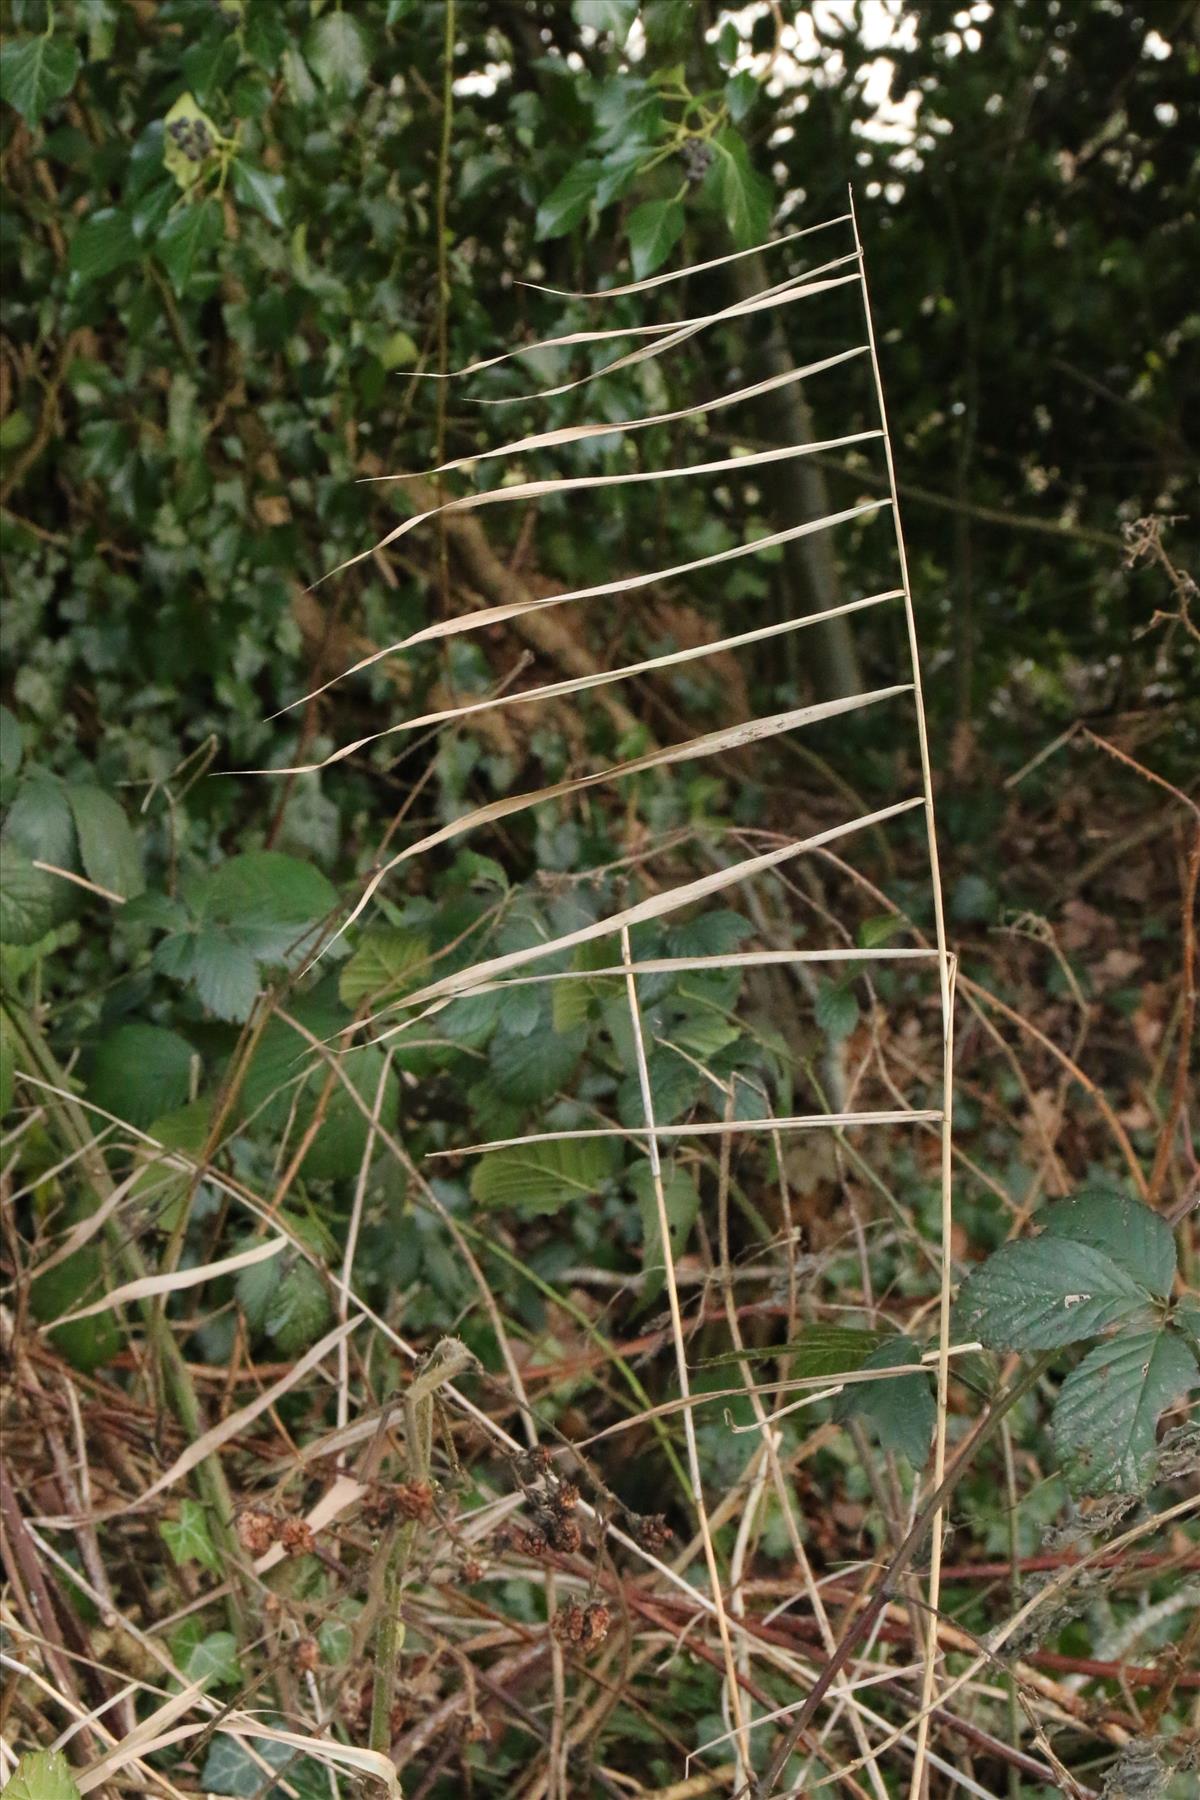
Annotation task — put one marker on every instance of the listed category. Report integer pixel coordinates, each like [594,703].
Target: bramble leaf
[107,846]
[902,1412]
[1109,1406]
[1043,1292]
[1137,1238]
[542,1178]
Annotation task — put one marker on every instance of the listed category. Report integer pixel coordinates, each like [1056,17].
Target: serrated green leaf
[1039,1294]
[338,54]
[40,821]
[1137,1238]
[11,747]
[880,929]
[836,1010]
[87,1344]
[675,1086]
[35,72]
[104,242]
[681,1198]
[337,1151]
[258,188]
[141,1071]
[270,900]
[107,846]
[823,1350]
[42,1775]
[221,968]
[188,1538]
[901,1412]
[1109,1406]
[298,1311]
[380,967]
[534,1178]
[185,241]
[709,933]
[532,1065]
[28,900]
[654,229]
[566,205]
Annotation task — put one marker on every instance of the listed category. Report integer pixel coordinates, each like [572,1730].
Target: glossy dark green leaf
[35,72]
[654,230]
[103,243]
[569,201]
[259,189]
[186,242]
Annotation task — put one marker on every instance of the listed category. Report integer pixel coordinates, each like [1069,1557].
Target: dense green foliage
[238,238]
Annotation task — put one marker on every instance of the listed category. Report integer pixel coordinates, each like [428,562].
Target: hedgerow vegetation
[528,1392]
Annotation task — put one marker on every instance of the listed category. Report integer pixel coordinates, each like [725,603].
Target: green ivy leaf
[836,1010]
[209,66]
[186,239]
[564,208]
[42,1775]
[35,72]
[1137,1238]
[746,198]
[339,55]
[107,846]
[104,242]
[654,230]
[741,91]
[533,1179]
[257,188]
[188,1538]
[1109,1406]
[189,142]
[902,1412]
[1044,1292]
[141,1071]
[210,1658]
